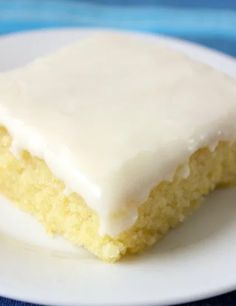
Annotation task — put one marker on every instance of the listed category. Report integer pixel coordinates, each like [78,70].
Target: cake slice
[112,141]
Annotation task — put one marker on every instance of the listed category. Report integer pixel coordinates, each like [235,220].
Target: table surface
[211,23]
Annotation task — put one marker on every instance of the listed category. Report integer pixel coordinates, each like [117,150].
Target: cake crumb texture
[29,183]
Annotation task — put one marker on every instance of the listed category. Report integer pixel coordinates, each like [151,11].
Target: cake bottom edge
[29,183]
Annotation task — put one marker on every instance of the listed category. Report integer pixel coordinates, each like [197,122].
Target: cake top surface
[113,115]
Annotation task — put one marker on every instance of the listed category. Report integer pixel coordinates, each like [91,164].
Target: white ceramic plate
[196,260]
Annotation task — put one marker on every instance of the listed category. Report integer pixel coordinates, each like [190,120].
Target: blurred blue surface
[211,23]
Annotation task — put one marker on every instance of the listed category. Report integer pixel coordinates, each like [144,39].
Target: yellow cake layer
[30,184]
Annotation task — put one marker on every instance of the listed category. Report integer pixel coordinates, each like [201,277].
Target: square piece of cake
[112,141]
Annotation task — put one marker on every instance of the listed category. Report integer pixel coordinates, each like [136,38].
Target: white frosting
[114,115]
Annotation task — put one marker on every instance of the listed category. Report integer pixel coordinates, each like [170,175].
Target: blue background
[211,23]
